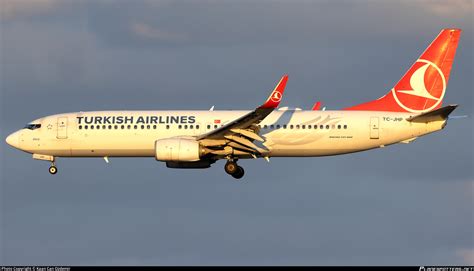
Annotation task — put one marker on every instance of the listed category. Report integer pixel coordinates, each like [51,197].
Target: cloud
[444,7]
[467,255]
[147,31]
[11,9]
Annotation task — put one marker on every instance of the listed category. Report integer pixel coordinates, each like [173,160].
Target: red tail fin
[422,88]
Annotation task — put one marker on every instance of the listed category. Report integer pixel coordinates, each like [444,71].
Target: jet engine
[177,150]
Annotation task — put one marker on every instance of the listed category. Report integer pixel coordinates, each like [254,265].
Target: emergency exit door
[374,128]
[62,128]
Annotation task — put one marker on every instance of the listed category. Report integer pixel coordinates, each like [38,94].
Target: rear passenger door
[374,127]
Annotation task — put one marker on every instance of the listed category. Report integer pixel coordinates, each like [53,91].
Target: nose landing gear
[234,170]
[52,169]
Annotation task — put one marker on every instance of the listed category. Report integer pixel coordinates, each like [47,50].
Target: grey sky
[404,204]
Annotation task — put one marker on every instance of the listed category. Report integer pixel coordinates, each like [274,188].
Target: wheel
[53,170]
[239,173]
[231,167]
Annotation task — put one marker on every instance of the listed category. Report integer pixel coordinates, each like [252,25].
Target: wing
[240,133]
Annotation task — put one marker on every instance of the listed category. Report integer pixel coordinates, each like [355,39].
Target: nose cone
[14,140]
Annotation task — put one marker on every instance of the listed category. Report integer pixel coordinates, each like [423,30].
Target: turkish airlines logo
[276,96]
[418,89]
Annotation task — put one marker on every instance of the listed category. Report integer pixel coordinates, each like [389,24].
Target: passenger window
[185,126]
[115,127]
[122,127]
[215,126]
[278,126]
[327,126]
[321,126]
[92,127]
[148,126]
[315,126]
[197,126]
[284,126]
[345,126]
[167,126]
[191,126]
[272,126]
[333,126]
[98,127]
[339,126]
[104,127]
[297,126]
[179,126]
[208,126]
[85,127]
[154,127]
[80,127]
[265,126]
[303,126]
[291,126]
[110,127]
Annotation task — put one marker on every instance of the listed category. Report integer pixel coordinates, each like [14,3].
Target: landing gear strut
[53,169]
[233,169]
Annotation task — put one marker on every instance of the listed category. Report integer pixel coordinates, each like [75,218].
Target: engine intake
[177,150]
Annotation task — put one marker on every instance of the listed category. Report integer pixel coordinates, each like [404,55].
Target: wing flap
[248,134]
[243,141]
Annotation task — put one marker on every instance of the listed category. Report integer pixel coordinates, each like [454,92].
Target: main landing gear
[53,169]
[234,170]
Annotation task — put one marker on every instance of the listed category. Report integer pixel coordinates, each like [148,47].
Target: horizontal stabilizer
[438,114]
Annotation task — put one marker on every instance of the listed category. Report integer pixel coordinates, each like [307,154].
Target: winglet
[316,106]
[275,97]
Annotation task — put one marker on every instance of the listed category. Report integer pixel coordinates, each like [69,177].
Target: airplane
[198,139]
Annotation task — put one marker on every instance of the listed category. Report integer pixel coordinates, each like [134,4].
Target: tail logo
[276,96]
[418,90]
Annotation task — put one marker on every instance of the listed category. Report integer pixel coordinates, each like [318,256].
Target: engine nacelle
[177,150]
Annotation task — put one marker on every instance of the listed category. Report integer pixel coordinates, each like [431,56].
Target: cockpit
[32,126]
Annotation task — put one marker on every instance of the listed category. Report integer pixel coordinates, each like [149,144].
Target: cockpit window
[32,126]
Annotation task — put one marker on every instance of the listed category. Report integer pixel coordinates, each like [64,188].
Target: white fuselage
[287,133]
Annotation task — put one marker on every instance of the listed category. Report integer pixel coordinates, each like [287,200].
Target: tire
[231,167]
[53,170]
[239,173]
